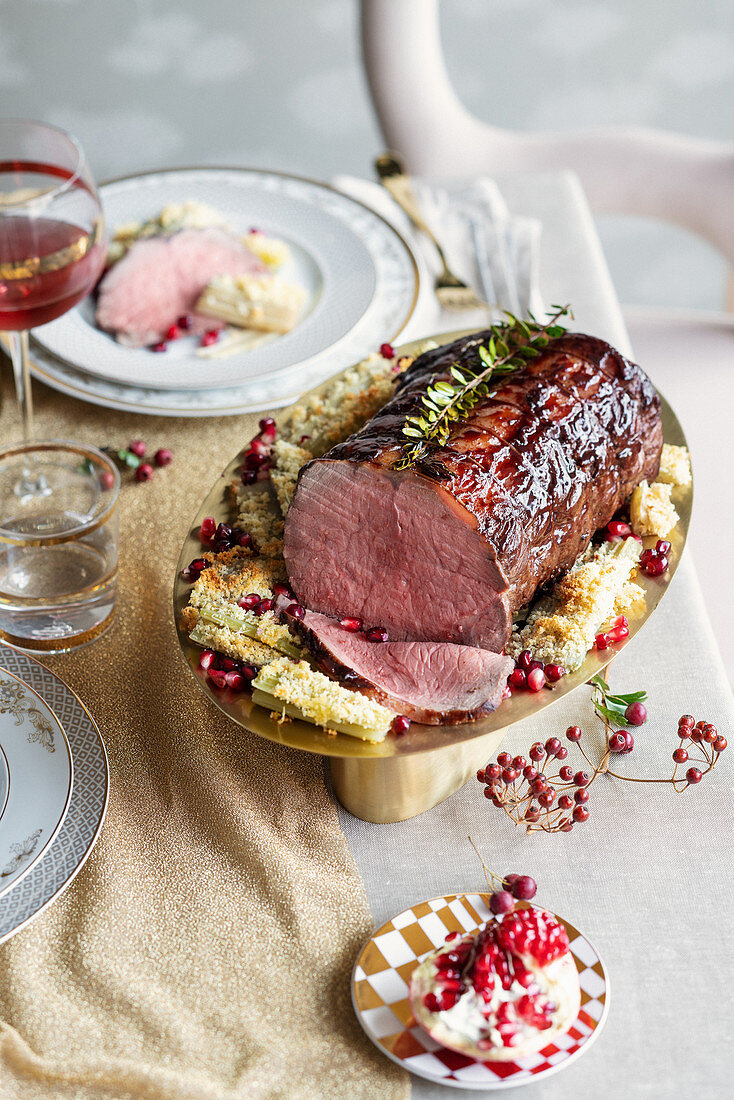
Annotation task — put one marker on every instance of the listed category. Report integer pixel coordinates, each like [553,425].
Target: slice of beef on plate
[429,682]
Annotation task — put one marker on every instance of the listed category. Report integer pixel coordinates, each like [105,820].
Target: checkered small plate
[380,996]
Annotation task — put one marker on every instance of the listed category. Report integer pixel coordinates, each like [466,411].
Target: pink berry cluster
[532,794]
[655,562]
[531,675]
[133,457]
[258,456]
[710,743]
[372,633]
[224,672]
[183,327]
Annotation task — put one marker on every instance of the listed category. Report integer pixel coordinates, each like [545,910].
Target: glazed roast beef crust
[535,469]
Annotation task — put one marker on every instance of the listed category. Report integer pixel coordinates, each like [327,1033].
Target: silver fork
[451,291]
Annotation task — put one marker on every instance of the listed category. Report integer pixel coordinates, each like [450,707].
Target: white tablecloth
[649,878]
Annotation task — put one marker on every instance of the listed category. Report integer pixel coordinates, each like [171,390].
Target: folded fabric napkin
[495,253]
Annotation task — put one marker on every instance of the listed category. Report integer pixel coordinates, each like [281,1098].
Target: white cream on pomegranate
[468,1016]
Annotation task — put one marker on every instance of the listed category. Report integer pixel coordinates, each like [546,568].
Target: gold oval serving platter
[403,776]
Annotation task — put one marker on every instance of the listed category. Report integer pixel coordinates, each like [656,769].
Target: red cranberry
[629,741]
[352,625]
[553,673]
[581,779]
[106,480]
[552,746]
[580,814]
[680,755]
[693,775]
[160,346]
[517,678]
[524,888]
[501,902]
[636,714]
[173,332]
[618,742]
[144,472]
[400,724]
[137,447]
[387,351]
[163,457]
[377,634]
[573,733]
[537,751]
[536,679]
[618,530]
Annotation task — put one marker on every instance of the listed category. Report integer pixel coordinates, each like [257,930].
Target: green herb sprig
[612,707]
[511,344]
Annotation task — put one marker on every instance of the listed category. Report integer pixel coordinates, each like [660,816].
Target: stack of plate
[360,277]
[53,788]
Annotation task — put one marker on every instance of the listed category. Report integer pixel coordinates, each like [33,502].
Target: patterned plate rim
[69,789]
[59,866]
[522,1074]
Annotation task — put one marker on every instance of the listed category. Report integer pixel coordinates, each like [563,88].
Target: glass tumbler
[58,552]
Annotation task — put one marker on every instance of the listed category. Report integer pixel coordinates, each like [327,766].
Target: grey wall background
[278,83]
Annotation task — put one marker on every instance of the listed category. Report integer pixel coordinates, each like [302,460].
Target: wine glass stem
[19,358]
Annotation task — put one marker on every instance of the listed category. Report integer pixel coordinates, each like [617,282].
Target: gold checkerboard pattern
[381,980]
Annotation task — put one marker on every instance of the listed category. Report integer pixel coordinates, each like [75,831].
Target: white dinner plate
[52,872]
[36,783]
[360,278]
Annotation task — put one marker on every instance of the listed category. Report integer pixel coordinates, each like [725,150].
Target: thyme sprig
[511,344]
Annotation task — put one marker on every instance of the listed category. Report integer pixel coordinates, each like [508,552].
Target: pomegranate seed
[525,660]
[636,714]
[160,346]
[504,759]
[537,751]
[295,611]
[536,679]
[565,802]
[680,755]
[208,529]
[663,547]
[400,724]
[267,424]
[517,678]
[218,678]
[573,733]
[580,796]
[173,332]
[247,603]
[580,814]
[501,902]
[432,1003]
[207,658]
[282,590]
[235,680]
[249,477]
[184,322]
[656,566]
[552,746]
[618,530]
[137,447]
[693,775]
[720,743]
[534,664]
[617,742]
[163,457]
[352,625]
[210,337]
[617,634]
[493,771]
[524,888]
[249,671]
[581,779]
[144,472]
[227,664]
[265,605]
[601,641]
[377,634]
[553,673]
[387,351]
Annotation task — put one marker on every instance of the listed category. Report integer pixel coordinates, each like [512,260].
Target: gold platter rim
[419,738]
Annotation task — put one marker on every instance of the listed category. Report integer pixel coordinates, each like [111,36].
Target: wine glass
[52,242]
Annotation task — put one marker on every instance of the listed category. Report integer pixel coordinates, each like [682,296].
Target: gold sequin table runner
[204,950]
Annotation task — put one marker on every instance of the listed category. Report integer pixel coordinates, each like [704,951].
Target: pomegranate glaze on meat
[437,683]
[535,469]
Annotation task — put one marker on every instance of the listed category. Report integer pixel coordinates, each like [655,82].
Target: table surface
[647,879]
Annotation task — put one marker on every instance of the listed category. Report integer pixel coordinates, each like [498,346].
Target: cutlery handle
[390,170]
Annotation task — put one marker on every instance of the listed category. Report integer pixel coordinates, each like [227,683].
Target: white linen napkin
[494,252]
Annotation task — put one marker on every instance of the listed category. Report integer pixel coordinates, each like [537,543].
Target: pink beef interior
[394,551]
[433,676]
[161,278]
